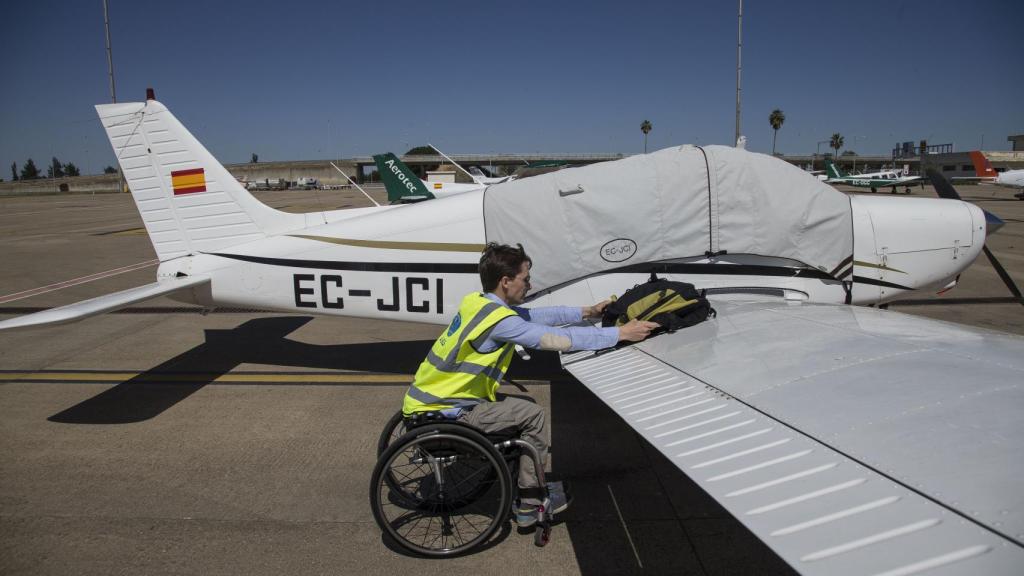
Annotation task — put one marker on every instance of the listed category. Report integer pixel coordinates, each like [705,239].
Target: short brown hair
[499,261]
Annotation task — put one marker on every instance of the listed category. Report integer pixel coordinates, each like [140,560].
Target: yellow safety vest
[454,372]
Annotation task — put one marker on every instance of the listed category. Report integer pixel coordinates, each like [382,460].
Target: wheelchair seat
[435,417]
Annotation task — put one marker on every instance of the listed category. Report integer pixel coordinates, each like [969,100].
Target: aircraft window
[949,168]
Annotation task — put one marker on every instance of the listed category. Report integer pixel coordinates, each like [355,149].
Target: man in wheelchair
[462,372]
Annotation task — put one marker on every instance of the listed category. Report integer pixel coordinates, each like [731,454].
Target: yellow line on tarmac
[241,377]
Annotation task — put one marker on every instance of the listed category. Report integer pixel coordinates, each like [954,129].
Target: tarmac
[158,440]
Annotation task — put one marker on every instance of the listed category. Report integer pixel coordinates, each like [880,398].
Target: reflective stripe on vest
[454,373]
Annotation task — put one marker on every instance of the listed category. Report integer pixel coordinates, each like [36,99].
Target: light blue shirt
[530,324]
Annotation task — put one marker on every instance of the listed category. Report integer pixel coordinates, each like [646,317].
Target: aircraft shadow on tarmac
[633,512]
[260,341]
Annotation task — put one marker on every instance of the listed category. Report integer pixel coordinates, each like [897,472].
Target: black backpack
[673,305]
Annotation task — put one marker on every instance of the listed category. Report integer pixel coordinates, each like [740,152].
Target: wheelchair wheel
[454,490]
[392,431]
[395,428]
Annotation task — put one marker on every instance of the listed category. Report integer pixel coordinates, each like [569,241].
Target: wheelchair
[442,488]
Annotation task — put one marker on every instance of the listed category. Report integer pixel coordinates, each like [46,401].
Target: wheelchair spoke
[471,475]
[441,492]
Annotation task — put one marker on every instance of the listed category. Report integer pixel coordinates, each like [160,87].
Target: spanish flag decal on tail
[188,181]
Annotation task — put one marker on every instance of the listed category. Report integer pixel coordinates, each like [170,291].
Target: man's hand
[596,310]
[636,330]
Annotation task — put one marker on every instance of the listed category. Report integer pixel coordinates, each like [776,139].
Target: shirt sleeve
[551,315]
[518,330]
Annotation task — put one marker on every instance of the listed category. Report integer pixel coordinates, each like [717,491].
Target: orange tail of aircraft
[982,167]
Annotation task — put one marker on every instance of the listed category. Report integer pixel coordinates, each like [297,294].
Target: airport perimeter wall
[108,183]
[327,175]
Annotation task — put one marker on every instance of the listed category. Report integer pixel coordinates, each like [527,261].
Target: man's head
[505,271]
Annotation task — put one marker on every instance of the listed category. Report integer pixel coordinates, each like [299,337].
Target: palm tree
[645,127]
[836,142]
[776,119]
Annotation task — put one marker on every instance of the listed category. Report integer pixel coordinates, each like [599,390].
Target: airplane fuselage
[427,261]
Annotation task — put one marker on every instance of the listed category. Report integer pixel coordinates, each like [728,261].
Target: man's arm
[559,315]
[517,330]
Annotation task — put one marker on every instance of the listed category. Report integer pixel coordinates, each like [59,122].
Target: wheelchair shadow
[500,536]
[634,511]
[259,341]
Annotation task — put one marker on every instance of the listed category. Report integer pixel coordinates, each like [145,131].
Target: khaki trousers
[526,417]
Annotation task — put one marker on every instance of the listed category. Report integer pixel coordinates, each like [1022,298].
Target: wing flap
[105,303]
[820,508]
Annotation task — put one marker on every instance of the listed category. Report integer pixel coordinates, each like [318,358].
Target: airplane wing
[105,303]
[850,440]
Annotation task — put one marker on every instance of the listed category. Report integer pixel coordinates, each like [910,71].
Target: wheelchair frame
[437,443]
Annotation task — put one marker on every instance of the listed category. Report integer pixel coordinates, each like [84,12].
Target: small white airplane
[986,174]
[851,440]
[404,186]
[872,180]
[476,173]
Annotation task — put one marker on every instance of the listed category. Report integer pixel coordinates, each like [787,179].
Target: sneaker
[529,514]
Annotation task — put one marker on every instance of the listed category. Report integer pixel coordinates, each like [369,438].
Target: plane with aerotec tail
[849,439]
[404,186]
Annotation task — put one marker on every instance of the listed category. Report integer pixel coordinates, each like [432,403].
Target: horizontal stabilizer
[101,304]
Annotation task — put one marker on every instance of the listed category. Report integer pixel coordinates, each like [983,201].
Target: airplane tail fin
[833,170]
[982,167]
[400,181]
[188,201]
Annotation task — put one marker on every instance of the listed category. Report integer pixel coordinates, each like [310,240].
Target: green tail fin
[833,171]
[400,182]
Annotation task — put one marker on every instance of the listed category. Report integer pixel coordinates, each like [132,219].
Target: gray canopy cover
[675,203]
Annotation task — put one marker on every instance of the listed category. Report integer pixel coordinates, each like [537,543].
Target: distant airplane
[477,177]
[986,174]
[404,186]
[1011,179]
[873,180]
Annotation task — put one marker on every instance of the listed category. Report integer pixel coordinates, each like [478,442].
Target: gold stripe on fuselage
[394,245]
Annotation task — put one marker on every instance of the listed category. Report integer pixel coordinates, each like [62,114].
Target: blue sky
[321,79]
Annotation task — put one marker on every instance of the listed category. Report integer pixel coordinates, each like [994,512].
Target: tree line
[56,169]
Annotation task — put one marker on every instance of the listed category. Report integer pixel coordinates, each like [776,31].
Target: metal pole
[817,150]
[110,59]
[739,66]
[113,90]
